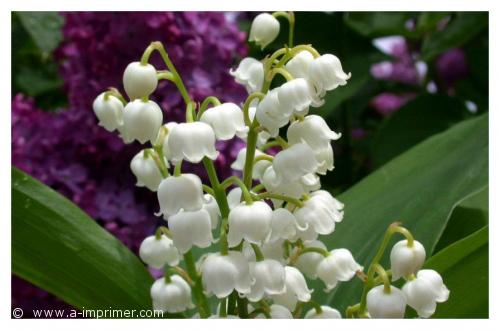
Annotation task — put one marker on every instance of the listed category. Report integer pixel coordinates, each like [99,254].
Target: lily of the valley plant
[261,231]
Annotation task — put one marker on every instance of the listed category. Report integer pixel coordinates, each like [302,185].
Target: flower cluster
[267,223]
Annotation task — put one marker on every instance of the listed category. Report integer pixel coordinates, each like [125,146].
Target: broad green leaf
[420,188]
[417,120]
[461,29]
[379,24]
[44,27]
[464,268]
[57,247]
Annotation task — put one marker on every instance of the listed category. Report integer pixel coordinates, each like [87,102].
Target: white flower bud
[141,121]
[423,292]
[265,28]
[321,211]
[268,277]
[258,168]
[296,289]
[406,260]
[180,192]
[298,66]
[326,73]
[277,312]
[190,228]
[223,274]
[308,263]
[158,252]
[294,162]
[283,224]
[386,305]
[192,142]
[273,114]
[313,130]
[234,197]
[327,313]
[249,222]
[210,205]
[169,126]
[338,266]
[297,95]
[226,120]
[146,171]
[173,296]
[250,73]
[139,80]
[109,111]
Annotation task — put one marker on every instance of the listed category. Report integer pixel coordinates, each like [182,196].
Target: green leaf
[379,24]
[57,247]
[426,115]
[461,29]
[428,21]
[464,268]
[420,188]
[44,27]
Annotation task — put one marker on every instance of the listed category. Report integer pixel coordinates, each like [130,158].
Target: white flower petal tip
[226,120]
[339,266]
[314,131]
[326,73]
[157,252]
[173,296]
[249,222]
[192,142]
[296,289]
[265,28]
[109,111]
[250,73]
[423,292]
[386,305]
[268,277]
[406,260]
[139,80]
[321,211]
[141,121]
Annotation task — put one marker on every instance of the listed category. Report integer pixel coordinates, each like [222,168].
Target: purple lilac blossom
[451,66]
[67,150]
[386,103]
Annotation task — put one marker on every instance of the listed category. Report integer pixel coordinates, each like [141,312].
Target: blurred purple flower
[451,66]
[68,151]
[386,103]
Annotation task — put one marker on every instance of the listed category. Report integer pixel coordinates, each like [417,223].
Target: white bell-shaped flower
[190,228]
[180,192]
[306,234]
[226,120]
[273,114]
[296,289]
[406,260]
[251,222]
[169,126]
[308,263]
[263,136]
[210,205]
[222,274]
[265,28]
[234,197]
[312,130]
[277,312]
[258,168]
[250,73]
[298,66]
[173,296]
[321,211]
[326,73]
[109,111]
[146,171]
[139,80]
[386,305]
[293,189]
[141,121]
[156,252]
[338,266]
[294,162]
[423,292]
[283,224]
[268,277]
[326,313]
[270,250]
[297,95]
[325,159]
[192,142]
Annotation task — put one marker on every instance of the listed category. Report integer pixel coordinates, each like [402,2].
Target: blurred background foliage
[413,75]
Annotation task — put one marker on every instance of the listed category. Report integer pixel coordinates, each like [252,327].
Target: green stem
[114,92]
[201,300]
[204,105]
[162,230]
[250,154]
[263,157]
[178,168]
[246,106]
[258,188]
[231,303]
[267,195]
[160,162]
[259,256]
[165,75]
[385,279]
[208,190]
[190,112]
[311,249]
[223,308]
[291,22]
[235,180]
[271,74]
[242,307]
